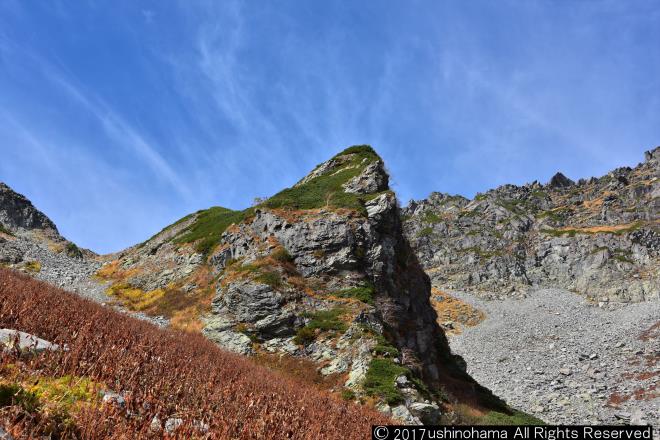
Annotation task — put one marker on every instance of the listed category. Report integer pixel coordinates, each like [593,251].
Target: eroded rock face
[30,242]
[598,237]
[320,272]
[18,213]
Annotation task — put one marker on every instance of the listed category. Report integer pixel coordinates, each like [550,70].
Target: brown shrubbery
[162,374]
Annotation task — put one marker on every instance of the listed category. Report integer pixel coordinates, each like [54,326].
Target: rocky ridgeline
[320,271]
[599,237]
[30,242]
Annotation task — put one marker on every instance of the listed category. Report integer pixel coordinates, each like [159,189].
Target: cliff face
[18,215]
[599,237]
[320,271]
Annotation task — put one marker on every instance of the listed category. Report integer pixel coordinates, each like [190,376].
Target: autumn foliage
[163,374]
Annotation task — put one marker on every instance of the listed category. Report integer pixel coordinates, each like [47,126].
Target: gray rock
[4,435]
[113,398]
[25,342]
[428,413]
[600,241]
[172,424]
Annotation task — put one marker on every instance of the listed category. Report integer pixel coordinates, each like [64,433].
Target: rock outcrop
[30,242]
[320,271]
[599,237]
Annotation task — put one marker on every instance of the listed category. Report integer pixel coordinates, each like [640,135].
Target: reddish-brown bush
[163,373]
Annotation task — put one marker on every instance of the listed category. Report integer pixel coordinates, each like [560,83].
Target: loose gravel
[566,361]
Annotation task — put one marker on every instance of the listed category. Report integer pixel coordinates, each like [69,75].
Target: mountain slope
[320,271]
[124,378]
[30,242]
[599,237]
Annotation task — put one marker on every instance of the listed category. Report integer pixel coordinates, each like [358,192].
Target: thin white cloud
[123,133]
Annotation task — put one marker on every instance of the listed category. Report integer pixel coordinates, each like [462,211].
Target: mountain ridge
[514,237]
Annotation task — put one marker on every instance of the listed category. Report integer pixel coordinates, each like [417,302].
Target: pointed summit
[18,213]
[560,181]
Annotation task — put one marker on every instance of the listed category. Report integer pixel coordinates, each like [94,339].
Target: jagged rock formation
[18,214]
[599,237]
[30,242]
[320,271]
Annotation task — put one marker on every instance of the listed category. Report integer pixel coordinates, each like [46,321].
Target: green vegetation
[383,346]
[380,380]
[425,232]
[363,293]
[516,418]
[431,217]
[73,251]
[181,220]
[326,189]
[270,278]
[56,398]
[347,394]
[623,256]
[33,266]
[323,321]
[594,230]
[282,255]
[517,206]
[205,232]
[556,215]
[14,394]
[480,197]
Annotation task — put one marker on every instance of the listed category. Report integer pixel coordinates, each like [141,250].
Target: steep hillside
[319,272]
[122,378]
[30,242]
[599,237]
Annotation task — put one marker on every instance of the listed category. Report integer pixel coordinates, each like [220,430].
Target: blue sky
[117,118]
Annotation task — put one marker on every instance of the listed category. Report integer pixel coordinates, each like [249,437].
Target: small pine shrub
[282,255]
[73,251]
[270,278]
[323,321]
[361,293]
[380,380]
[304,336]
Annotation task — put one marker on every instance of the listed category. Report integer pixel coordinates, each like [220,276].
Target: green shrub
[5,230]
[324,321]
[282,255]
[207,229]
[347,395]
[380,380]
[14,394]
[271,278]
[33,266]
[431,217]
[327,320]
[516,418]
[362,293]
[425,232]
[326,189]
[304,336]
[73,251]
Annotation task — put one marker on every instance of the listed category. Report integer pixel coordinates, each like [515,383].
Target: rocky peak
[560,181]
[320,271]
[652,155]
[17,213]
